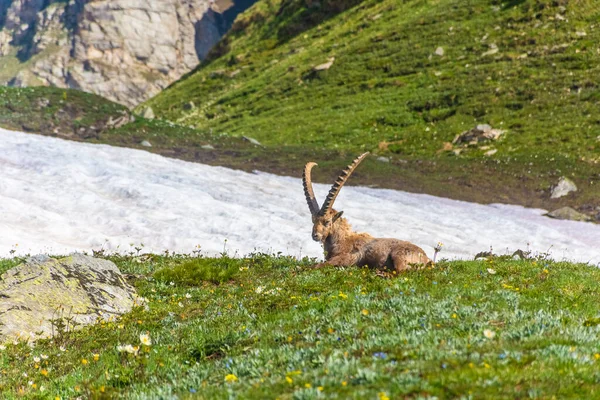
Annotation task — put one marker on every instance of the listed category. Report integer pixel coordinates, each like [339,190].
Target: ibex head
[325,217]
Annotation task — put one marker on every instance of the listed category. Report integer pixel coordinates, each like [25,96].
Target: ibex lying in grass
[344,247]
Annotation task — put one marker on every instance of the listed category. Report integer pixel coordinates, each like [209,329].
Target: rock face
[124,50]
[44,289]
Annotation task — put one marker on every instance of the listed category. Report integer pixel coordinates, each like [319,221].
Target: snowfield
[58,196]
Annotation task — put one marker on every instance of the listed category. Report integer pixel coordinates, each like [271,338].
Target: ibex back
[342,245]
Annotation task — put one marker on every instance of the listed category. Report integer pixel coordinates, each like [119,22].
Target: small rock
[148,113]
[253,141]
[117,122]
[146,143]
[490,152]
[207,147]
[559,17]
[383,159]
[234,73]
[439,51]
[43,102]
[493,50]
[568,213]
[324,66]
[563,187]
[581,33]
[481,133]
[189,106]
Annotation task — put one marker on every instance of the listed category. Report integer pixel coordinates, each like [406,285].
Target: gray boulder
[42,290]
[569,214]
[563,188]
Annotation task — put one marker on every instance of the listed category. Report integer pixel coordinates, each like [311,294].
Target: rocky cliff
[124,50]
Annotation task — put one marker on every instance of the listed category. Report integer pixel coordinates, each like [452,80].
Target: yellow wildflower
[383,396]
[231,378]
[365,311]
[84,361]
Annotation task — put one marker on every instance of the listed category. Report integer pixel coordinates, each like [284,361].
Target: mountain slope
[406,77]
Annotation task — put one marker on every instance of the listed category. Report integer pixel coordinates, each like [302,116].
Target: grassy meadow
[271,327]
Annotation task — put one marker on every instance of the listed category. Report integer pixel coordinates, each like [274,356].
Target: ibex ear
[336,216]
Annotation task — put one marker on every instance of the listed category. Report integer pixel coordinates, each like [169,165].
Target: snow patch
[59,196]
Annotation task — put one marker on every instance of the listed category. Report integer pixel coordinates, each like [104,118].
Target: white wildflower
[145,339]
[489,333]
[127,349]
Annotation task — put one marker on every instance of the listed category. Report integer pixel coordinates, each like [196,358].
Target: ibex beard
[343,246]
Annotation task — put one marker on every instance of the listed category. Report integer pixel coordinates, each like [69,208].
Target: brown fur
[344,247]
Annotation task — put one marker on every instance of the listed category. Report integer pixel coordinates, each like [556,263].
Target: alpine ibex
[344,247]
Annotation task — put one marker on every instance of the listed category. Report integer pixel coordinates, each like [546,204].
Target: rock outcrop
[124,50]
[43,293]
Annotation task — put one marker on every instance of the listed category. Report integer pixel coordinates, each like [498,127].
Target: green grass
[388,85]
[276,329]
[192,272]
[76,115]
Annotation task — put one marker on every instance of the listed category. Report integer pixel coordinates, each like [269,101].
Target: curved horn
[313,206]
[339,182]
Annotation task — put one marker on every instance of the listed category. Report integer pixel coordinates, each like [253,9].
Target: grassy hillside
[75,115]
[268,327]
[527,67]
[387,83]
